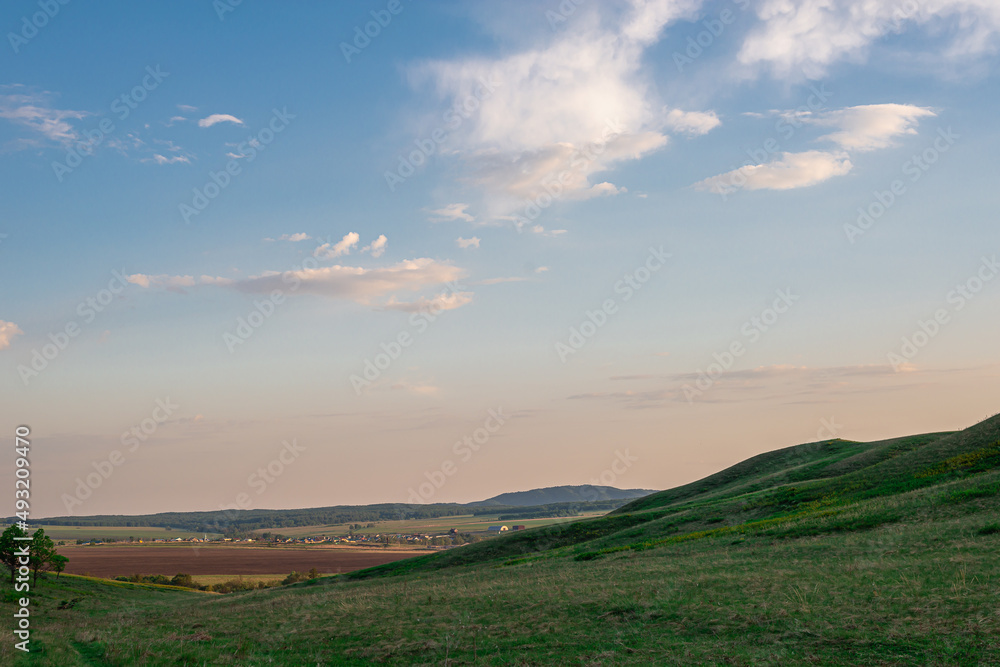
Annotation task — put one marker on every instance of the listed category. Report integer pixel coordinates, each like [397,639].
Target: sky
[277,255]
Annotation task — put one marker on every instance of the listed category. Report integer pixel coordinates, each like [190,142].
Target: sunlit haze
[280,255]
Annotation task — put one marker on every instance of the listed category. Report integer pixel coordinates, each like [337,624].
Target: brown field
[113,561]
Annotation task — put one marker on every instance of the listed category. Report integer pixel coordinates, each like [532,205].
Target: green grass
[832,553]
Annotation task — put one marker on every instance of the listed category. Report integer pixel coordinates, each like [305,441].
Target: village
[449,539]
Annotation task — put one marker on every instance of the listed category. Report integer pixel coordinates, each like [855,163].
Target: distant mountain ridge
[561,494]
[561,501]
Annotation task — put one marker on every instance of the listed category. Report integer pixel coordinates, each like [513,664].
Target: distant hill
[557,501]
[561,494]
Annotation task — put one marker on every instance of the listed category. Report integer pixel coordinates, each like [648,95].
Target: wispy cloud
[782,383]
[161,159]
[452,212]
[216,118]
[870,127]
[692,123]
[439,302]
[34,111]
[467,243]
[293,238]
[797,38]
[789,170]
[376,287]
[858,129]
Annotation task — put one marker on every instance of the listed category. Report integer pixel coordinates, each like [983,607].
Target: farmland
[87,533]
[169,559]
[466,523]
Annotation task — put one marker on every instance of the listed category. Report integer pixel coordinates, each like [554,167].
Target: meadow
[831,553]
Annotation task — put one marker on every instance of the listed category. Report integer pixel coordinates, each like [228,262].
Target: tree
[59,563]
[41,551]
[9,547]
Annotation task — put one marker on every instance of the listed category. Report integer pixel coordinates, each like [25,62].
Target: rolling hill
[811,489]
[833,553]
[561,494]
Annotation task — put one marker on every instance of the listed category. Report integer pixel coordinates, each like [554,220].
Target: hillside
[809,489]
[833,553]
[561,494]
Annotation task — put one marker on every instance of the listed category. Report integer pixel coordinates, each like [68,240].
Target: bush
[294,578]
[238,584]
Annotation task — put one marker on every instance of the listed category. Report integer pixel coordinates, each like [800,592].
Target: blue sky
[633,228]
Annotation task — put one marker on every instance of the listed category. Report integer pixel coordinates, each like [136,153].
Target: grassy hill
[837,552]
[561,494]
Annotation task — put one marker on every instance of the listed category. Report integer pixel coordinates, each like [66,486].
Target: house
[497,529]
[518,527]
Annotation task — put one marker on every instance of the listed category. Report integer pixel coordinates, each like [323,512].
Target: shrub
[294,578]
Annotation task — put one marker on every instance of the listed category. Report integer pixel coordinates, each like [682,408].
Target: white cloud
[7,332]
[353,283]
[187,108]
[341,247]
[376,247]
[859,129]
[452,212]
[209,121]
[563,168]
[161,280]
[467,243]
[790,170]
[693,123]
[437,303]
[547,110]
[356,283]
[34,111]
[865,128]
[805,37]
[293,238]
[160,159]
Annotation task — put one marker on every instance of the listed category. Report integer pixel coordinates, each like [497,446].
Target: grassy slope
[830,553]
